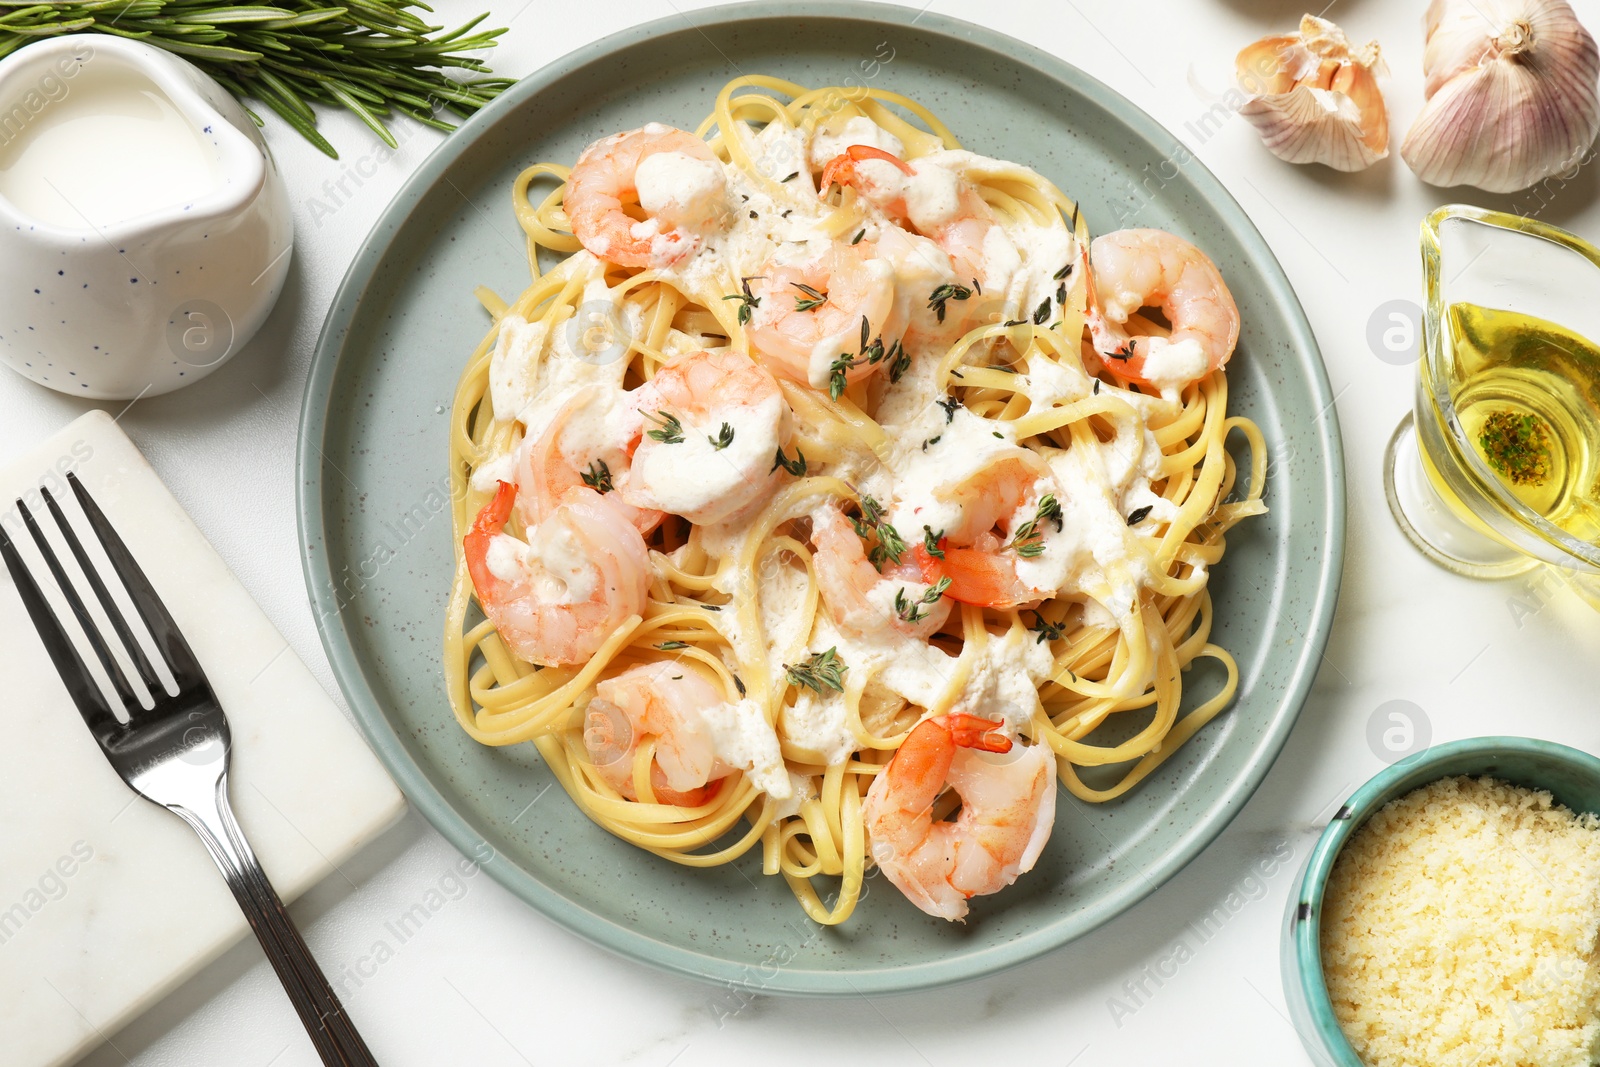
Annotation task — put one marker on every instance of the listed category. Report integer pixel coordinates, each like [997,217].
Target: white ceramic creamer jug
[145,231]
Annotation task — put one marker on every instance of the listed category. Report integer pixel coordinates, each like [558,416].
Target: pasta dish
[829,493]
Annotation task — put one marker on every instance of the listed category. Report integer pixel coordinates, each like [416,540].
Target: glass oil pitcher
[1497,468]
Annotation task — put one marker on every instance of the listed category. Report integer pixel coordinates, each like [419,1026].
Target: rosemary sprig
[376,58]
[930,542]
[820,671]
[723,439]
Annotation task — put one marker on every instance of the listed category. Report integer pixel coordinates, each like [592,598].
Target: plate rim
[332,623]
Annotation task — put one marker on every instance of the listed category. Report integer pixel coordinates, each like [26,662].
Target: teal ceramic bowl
[1571,777]
[377,540]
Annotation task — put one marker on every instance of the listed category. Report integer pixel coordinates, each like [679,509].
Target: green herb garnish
[795,466]
[891,546]
[811,299]
[916,610]
[1047,630]
[672,646]
[899,362]
[837,375]
[821,671]
[943,295]
[723,439]
[671,432]
[598,477]
[930,542]
[1029,539]
[747,300]
[1518,447]
[1138,515]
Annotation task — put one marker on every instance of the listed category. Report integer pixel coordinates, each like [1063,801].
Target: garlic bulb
[1512,94]
[1313,98]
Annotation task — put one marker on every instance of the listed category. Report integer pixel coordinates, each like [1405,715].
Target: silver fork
[176,753]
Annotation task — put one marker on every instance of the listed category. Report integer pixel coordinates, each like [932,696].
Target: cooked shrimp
[670,176]
[709,426]
[802,339]
[556,597]
[659,703]
[1008,807]
[981,551]
[934,199]
[1131,269]
[862,600]
[555,460]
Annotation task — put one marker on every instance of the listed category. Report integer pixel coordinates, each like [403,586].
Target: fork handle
[324,1017]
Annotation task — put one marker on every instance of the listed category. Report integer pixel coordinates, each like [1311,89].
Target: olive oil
[1527,393]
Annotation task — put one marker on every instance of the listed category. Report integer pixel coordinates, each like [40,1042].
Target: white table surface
[487,981]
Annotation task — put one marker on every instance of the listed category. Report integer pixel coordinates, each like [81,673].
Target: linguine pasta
[906,433]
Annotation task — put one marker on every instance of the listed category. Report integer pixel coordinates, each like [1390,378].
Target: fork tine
[169,639]
[141,662]
[97,640]
[74,674]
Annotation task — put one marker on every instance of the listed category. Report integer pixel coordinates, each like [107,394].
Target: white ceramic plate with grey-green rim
[377,539]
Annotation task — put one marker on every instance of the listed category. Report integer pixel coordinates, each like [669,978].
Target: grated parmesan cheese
[1459,927]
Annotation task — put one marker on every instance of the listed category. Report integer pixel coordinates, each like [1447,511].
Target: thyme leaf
[916,610]
[671,432]
[820,671]
[598,477]
[795,466]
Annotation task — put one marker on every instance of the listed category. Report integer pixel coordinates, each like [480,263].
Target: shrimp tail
[969,731]
[490,521]
[840,170]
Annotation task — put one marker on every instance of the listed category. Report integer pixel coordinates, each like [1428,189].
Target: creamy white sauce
[800,791]
[817,723]
[698,479]
[743,224]
[933,196]
[1169,366]
[556,565]
[742,739]
[112,149]
[681,190]
[859,130]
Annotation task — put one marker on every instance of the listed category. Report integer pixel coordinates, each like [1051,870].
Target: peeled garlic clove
[1314,99]
[1513,90]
